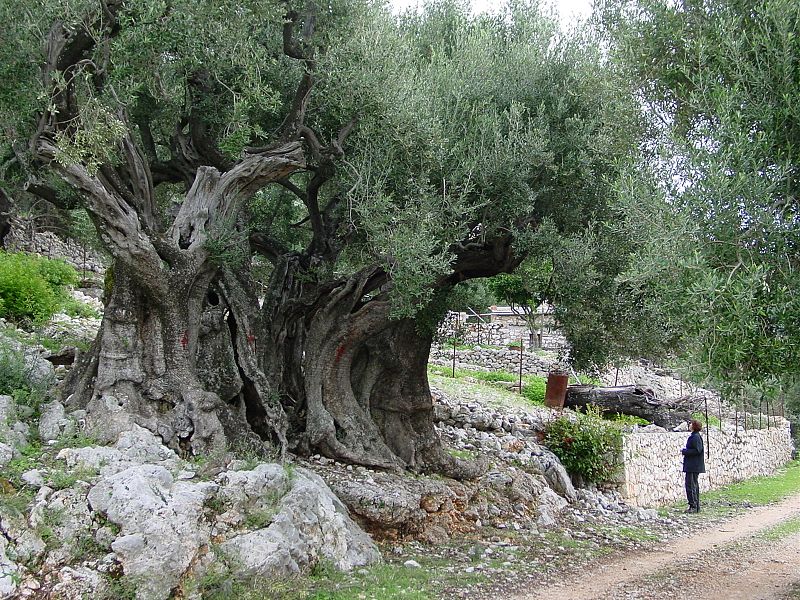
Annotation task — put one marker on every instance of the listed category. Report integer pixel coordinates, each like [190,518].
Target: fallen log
[629,400]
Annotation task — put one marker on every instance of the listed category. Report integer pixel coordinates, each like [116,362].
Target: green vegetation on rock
[588,445]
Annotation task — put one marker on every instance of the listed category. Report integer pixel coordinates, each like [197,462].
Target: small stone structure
[501,326]
[653,463]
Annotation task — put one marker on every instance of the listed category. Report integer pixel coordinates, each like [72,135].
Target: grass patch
[712,420]
[462,454]
[782,530]
[758,491]
[381,582]
[637,534]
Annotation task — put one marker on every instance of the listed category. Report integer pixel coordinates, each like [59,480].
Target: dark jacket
[693,460]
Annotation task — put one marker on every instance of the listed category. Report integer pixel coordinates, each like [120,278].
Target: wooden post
[616,377]
[454,357]
[520,365]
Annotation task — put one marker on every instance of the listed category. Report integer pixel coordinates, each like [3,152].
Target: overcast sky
[569,10]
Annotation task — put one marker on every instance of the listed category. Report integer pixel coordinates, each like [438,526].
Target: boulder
[555,473]
[9,571]
[54,422]
[133,447]
[310,524]
[160,521]
[13,434]
[550,505]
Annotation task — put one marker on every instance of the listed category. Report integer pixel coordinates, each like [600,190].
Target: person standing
[693,465]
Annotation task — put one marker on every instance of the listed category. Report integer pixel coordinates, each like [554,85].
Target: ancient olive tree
[365,164]
[492,133]
[166,118]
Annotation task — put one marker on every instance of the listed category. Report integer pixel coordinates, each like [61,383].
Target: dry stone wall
[653,463]
[47,244]
[487,359]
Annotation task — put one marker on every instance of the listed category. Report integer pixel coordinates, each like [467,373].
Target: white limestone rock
[12,433]
[310,524]
[33,478]
[134,447]
[550,504]
[9,572]
[66,515]
[557,477]
[6,454]
[160,520]
[54,422]
[80,582]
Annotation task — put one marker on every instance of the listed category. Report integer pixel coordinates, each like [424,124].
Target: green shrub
[712,420]
[628,420]
[588,447]
[534,389]
[494,376]
[33,288]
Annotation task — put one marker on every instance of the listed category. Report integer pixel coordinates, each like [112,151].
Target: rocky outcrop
[135,512]
[309,524]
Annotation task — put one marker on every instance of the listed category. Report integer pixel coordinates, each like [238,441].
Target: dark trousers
[693,490]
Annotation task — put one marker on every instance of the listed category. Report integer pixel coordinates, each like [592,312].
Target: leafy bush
[629,420]
[534,389]
[494,376]
[588,447]
[33,288]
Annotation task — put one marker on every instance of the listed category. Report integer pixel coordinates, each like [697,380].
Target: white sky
[568,10]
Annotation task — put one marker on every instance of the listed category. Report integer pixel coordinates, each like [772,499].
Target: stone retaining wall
[47,244]
[487,359]
[653,462]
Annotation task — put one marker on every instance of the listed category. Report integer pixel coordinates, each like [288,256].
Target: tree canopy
[719,82]
[374,162]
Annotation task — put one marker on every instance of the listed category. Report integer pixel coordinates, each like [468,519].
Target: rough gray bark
[360,393]
[628,400]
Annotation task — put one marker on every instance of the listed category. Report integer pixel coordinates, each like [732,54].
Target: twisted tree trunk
[354,381]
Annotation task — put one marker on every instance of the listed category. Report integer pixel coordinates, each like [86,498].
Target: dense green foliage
[33,288]
[534,389]
[715,204]
[588,445]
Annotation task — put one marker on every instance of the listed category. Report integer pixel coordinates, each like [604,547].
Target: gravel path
[731,560]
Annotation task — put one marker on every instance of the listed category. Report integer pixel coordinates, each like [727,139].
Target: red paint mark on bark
[340,352]
[251,340]
[185,339]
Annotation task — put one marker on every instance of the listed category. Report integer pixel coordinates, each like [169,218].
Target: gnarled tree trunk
[354,381]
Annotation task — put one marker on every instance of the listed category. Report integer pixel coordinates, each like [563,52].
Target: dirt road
[734,560]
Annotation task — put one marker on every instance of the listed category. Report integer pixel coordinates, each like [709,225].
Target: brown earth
[732,560]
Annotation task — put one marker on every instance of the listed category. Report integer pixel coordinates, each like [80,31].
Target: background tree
[719,81]
[525,291]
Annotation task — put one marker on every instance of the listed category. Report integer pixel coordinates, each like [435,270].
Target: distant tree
[721,223]
[525,291]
